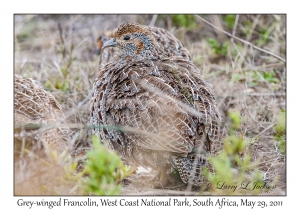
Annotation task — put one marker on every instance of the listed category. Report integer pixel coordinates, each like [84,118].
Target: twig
[235,25]
[42,128]
[72,45]
[61,34]
[257,164]
[226,95]
[255,22]
[251,117]
[154,17]
[259,135]
[265,173]
[241,40]
[266,129]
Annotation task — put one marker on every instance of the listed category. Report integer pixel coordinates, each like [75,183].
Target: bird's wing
[197,91]
[158,106]
[146,109]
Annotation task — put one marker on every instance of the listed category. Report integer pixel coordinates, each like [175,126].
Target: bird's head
[132,39]
[100,41]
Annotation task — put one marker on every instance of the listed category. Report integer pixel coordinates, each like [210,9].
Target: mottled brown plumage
[167,40]
[152,106]
[34,109]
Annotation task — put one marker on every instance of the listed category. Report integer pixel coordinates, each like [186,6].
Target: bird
[107,55]
[151,105]
[35,108]
[164,37]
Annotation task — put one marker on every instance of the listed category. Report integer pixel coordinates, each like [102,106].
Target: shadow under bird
[151,105]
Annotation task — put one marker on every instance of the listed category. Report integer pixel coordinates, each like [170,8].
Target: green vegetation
[229,21]
[218,49]
[280,131]
[183,20]
[57,173]
[251,82]
[105,170]
[58,83]
[233,164]
[51,174]
[186,21]
[256,78]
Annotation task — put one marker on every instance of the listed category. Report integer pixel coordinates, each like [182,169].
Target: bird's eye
[127,37]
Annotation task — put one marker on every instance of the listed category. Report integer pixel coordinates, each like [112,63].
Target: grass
[233,164]
[57,50]
[105,170]
[53,173]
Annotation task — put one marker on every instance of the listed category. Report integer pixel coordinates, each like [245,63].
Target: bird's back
[35,108]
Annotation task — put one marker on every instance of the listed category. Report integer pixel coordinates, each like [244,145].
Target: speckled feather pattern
[34,105]
[170,44]
[153,107]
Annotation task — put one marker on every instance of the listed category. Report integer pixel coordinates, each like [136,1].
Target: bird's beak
[110,43]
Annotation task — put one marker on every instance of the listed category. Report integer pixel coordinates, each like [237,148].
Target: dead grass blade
[241,40]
